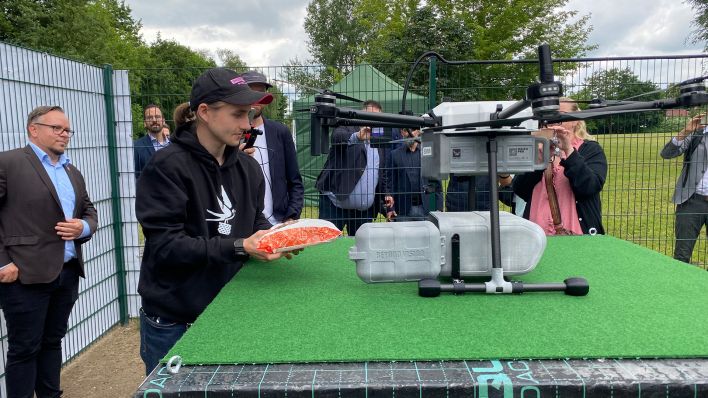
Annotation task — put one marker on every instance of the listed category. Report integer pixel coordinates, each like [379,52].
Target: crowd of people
[217,199]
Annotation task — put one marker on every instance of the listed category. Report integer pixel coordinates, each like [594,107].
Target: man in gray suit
[691,194]
[45,216]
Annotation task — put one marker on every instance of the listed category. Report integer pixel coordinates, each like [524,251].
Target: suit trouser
[37,317]
[691,216]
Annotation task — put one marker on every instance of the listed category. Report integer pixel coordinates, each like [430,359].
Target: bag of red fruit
[298,234]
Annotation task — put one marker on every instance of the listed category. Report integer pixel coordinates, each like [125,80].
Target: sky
[270,32]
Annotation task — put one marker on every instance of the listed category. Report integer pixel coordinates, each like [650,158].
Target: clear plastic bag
[299,234]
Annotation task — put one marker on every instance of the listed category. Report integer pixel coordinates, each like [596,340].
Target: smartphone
[704,119]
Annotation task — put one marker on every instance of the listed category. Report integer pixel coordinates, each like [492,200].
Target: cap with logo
[254,76]
[223,84]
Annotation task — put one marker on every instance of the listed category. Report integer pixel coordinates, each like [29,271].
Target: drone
[461,148]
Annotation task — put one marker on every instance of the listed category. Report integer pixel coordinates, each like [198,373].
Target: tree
[231,60]
[167,81]
[619,84]
[96,32]
[390,33]
[700,33]
[334,31]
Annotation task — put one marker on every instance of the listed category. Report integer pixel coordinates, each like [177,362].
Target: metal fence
[105,107]
[636,199]
[93,98]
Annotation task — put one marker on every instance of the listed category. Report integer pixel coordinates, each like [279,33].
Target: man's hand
[691,126]
[565,139]
[250,151]
[70,229]
[250,245]
[9,273]
[364,134]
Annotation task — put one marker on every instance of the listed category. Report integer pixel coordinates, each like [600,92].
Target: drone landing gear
[433,287]
[498,284]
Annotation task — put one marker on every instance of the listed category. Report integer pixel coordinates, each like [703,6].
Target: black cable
[417,61]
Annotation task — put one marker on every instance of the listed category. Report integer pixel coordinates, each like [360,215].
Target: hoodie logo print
[227,213]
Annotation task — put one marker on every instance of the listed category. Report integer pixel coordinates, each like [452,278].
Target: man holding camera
[350,180]
[275,152]
[691,193]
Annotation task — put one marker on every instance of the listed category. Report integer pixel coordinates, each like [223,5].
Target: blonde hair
[580,130]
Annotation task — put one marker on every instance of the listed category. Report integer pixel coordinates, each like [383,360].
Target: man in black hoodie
[200,204]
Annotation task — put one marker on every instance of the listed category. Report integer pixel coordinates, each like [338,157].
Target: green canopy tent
[366,83]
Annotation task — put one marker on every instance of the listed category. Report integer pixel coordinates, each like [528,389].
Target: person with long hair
[200,204]
[573,181]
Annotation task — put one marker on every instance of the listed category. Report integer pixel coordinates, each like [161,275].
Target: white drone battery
[522,242]
[397,251]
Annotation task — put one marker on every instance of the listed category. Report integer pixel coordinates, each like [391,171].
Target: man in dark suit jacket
[275,152]
[412,195]
[351,182]
[691,193]
[45,216]
[154,140]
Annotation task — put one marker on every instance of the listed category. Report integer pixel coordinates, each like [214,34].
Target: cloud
[270,32]
[638,27]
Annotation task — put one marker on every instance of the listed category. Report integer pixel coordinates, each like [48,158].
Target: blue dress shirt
[65,191]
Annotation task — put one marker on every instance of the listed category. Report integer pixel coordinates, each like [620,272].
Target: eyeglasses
[152,118]
[58,130]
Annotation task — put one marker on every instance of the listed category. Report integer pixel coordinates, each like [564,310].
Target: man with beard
[274,150]
[409,193]
[153,141]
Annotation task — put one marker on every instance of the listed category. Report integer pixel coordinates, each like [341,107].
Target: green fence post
[115,191]
[432,83]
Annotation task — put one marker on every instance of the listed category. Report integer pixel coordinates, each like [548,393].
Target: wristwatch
[239,250]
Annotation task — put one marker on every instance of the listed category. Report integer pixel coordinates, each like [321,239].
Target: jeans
[37,317]
[157,336]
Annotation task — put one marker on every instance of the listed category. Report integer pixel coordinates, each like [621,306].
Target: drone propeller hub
[686,90]
[325,99]
[544,97]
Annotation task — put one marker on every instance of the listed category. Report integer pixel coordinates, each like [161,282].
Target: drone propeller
[321,91]
[550,118]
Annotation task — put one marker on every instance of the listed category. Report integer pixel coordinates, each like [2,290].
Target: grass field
[636,199]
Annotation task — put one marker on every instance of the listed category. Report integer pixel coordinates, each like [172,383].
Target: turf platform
[314,309]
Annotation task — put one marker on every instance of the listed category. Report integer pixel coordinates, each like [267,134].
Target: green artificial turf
[315,309]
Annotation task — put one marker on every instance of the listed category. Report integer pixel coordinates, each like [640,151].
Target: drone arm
[513,109]
[398,120]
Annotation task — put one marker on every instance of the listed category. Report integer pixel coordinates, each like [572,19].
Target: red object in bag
[298,235]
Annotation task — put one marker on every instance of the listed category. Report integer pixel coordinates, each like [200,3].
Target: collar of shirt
[156,142]
[44,158]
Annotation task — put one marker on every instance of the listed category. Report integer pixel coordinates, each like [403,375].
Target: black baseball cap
[223,84]
[254,76]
